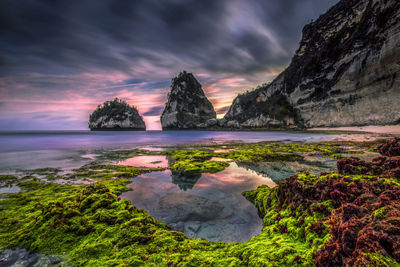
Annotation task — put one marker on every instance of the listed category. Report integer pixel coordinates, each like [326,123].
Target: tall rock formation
[187,106]
[346,72]
[116,115]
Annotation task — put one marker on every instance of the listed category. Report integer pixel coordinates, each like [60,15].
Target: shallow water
[72,149]
[21,257]
[209,206]
[146,161]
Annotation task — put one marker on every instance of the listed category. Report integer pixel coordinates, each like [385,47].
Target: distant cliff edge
[116,115]
[346,72]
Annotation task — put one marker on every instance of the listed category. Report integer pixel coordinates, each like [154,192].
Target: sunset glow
[53,79]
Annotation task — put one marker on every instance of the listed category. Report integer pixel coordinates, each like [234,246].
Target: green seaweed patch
[44,171]
[193,154]
[291,234]
[108,171]
[375,259]
[258,154]
[89,225]
[192,167]
[8,180]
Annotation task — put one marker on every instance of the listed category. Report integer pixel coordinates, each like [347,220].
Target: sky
[59,59]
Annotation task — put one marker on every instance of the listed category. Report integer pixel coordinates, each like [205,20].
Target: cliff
[116,115]
[187,106]
[345,73]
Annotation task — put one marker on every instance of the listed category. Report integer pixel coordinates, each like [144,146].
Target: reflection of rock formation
[186,207]
[278,171]
[185,181]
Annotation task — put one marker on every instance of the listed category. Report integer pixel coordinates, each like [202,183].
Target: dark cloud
[221,36]
[73,55]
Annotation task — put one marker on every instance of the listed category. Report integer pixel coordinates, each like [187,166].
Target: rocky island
[187,106]
[116,115]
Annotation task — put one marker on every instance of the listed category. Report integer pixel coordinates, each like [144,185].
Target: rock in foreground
[187,106]
[116,115]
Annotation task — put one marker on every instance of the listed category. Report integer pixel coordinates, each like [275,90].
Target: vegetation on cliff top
[115,110]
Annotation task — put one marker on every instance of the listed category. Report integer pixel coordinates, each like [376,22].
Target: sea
[22,150]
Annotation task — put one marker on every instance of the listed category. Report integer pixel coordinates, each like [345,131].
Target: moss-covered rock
[116,115]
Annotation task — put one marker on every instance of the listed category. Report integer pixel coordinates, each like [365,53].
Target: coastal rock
[187,106]
[116,115]
[346,72]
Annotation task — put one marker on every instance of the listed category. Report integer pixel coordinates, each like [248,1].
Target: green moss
[44,171]
[7,180]
[190,166]
[90,226]
[290,235]
[306,177]
[380,213]
[375,259]
[108,171]
[190,154]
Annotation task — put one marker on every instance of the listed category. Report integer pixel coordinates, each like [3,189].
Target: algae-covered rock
[116,115]
[187,106]
[387,165]
[390,148]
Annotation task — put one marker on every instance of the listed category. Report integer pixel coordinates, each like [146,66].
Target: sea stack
[116,115]
[187,106]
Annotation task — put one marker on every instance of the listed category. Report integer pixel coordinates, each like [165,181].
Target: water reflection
[146,161]
[278,171]
[209,206]
[185,181]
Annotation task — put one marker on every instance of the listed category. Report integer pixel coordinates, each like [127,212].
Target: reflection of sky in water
[209,206]
[9,189]
[146,161]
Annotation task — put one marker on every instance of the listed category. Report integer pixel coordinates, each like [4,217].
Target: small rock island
[116,115]
[187,106]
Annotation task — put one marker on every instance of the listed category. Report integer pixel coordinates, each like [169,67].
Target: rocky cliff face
[116,115]
[346,72]
[187,106]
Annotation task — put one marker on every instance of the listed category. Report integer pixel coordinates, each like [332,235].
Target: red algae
[391,148]
[387,165]
[365,225]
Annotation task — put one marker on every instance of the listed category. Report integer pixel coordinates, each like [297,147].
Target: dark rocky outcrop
[346,72]
[187,106]
[116,115]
